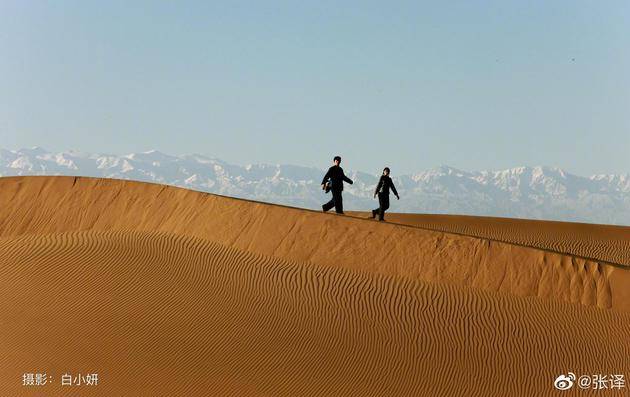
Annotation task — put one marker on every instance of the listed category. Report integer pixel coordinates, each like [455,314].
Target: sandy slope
[600,242]
[159,313]
[41,205]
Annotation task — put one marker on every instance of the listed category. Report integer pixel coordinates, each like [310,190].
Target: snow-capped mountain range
[522,192]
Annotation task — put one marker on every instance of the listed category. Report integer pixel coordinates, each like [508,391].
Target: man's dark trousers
[383,202]
[336,202]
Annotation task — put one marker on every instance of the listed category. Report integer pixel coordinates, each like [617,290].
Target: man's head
[337,160]
[386,171]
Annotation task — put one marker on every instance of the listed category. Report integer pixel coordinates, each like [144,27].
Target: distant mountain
[523,192]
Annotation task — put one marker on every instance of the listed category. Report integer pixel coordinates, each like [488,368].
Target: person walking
[382,189]
[334,180]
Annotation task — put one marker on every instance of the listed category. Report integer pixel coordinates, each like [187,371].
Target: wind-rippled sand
[608,243]
[166,291]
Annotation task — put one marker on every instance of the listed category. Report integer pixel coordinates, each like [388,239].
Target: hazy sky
[412,85]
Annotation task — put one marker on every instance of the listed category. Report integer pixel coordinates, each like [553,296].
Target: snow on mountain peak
[537,192]
[32,151]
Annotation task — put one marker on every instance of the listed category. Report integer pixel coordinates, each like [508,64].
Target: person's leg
[338,202]
[329,204]
[383,201]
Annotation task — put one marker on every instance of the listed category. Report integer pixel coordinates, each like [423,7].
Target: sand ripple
[40,205]
[159,313]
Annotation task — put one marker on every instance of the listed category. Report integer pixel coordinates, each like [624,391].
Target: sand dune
[159,313]
[41,205]
[606,243]
[167,291]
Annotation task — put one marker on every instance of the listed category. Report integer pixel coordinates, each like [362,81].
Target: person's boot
[373,214]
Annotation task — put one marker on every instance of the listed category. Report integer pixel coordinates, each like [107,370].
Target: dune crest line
[58,204]
[608,243]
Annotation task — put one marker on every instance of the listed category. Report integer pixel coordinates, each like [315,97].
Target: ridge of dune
[610,243]
[160,313]
[43,205]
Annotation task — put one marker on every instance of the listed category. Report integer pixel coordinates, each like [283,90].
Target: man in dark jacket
[335,178]
[382,189]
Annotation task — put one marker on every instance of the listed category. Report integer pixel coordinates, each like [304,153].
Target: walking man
[382,189]
[335,178]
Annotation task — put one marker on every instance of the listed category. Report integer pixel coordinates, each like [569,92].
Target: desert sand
[598,242]
[166,291]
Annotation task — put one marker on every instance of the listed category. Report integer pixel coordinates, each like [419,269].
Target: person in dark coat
[382,189]
[334,180]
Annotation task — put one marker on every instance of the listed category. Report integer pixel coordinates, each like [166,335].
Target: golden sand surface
[44,205]
[608,243]
[167,291]
[156,313]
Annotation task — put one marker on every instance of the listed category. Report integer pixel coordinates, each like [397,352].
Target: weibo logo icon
[564,382]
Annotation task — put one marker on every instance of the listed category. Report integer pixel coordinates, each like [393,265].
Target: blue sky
[412,85]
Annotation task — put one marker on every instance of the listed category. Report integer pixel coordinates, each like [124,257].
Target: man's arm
[378,186]
[345,178]
[391,183]
[326,177]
